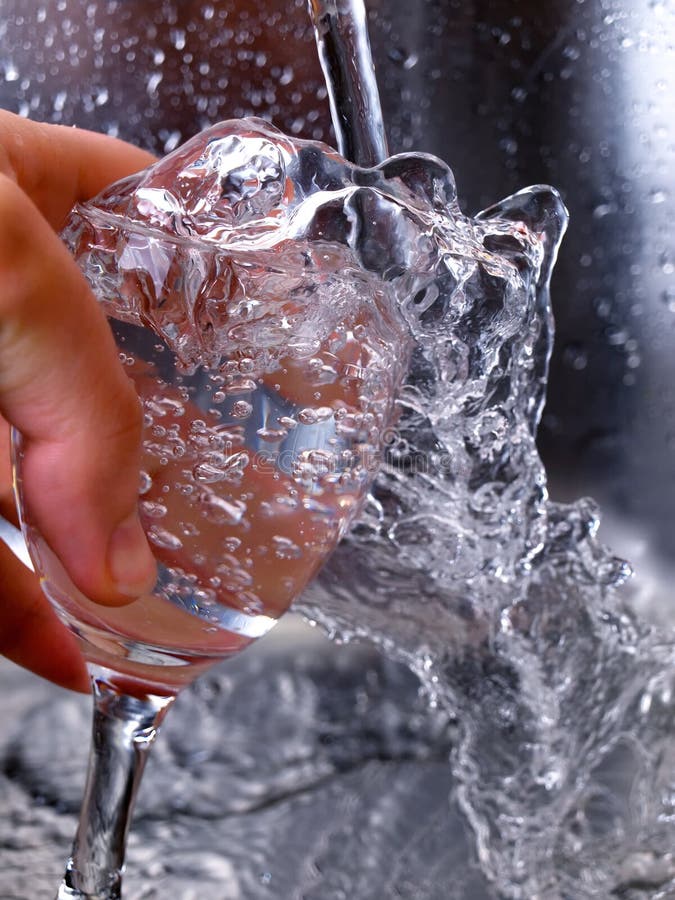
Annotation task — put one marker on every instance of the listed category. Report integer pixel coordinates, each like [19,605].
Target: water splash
[460,566]
[502,603]
[505,604]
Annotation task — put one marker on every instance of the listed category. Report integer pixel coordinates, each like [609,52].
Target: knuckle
[126,425]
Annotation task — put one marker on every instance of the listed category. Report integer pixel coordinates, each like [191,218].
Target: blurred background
[579,94]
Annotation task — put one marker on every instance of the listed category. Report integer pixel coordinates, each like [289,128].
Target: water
[505,604]
[507,607]
[341,36]
[458,523]
[457,532]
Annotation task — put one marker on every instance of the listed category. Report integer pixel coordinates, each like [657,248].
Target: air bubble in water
[285,548]
[242,409]
[152,509]
[163,538]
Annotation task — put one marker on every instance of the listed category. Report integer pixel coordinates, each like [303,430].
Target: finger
[6,479]
[58,166]
[62,386]
[31,634]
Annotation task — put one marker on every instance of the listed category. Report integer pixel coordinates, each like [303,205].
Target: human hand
[63,386]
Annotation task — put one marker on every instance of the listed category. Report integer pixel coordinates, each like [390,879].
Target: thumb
[63,387]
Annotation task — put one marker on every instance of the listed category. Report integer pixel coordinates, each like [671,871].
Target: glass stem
[124,729]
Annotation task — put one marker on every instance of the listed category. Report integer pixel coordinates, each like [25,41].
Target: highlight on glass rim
[406,654]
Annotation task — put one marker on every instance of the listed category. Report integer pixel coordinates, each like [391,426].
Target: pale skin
[63,386]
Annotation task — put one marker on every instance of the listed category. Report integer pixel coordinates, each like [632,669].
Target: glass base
[113,891]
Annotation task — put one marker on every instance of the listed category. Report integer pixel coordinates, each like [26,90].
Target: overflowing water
[510,612]
[505,605]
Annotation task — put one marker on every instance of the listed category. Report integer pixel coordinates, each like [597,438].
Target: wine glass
[267,359]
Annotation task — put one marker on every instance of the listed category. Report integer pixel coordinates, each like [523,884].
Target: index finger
[61,381]
[58,166]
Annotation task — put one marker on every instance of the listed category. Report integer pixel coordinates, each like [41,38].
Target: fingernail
[131,564]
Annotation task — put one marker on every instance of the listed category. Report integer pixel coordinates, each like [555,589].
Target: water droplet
[307,416]
[163,538]
[509,145]
[172,141]
[189,529]
[219,467]
[153,509]
[402,57]
[272,434]
[221,511]
[178,38]
[575,356]
[284,548]
[603,209]
[231,544]
[60,101]
[153,82]
[242,409]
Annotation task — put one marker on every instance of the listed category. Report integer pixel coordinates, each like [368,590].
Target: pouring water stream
[503,603]
[341,33]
